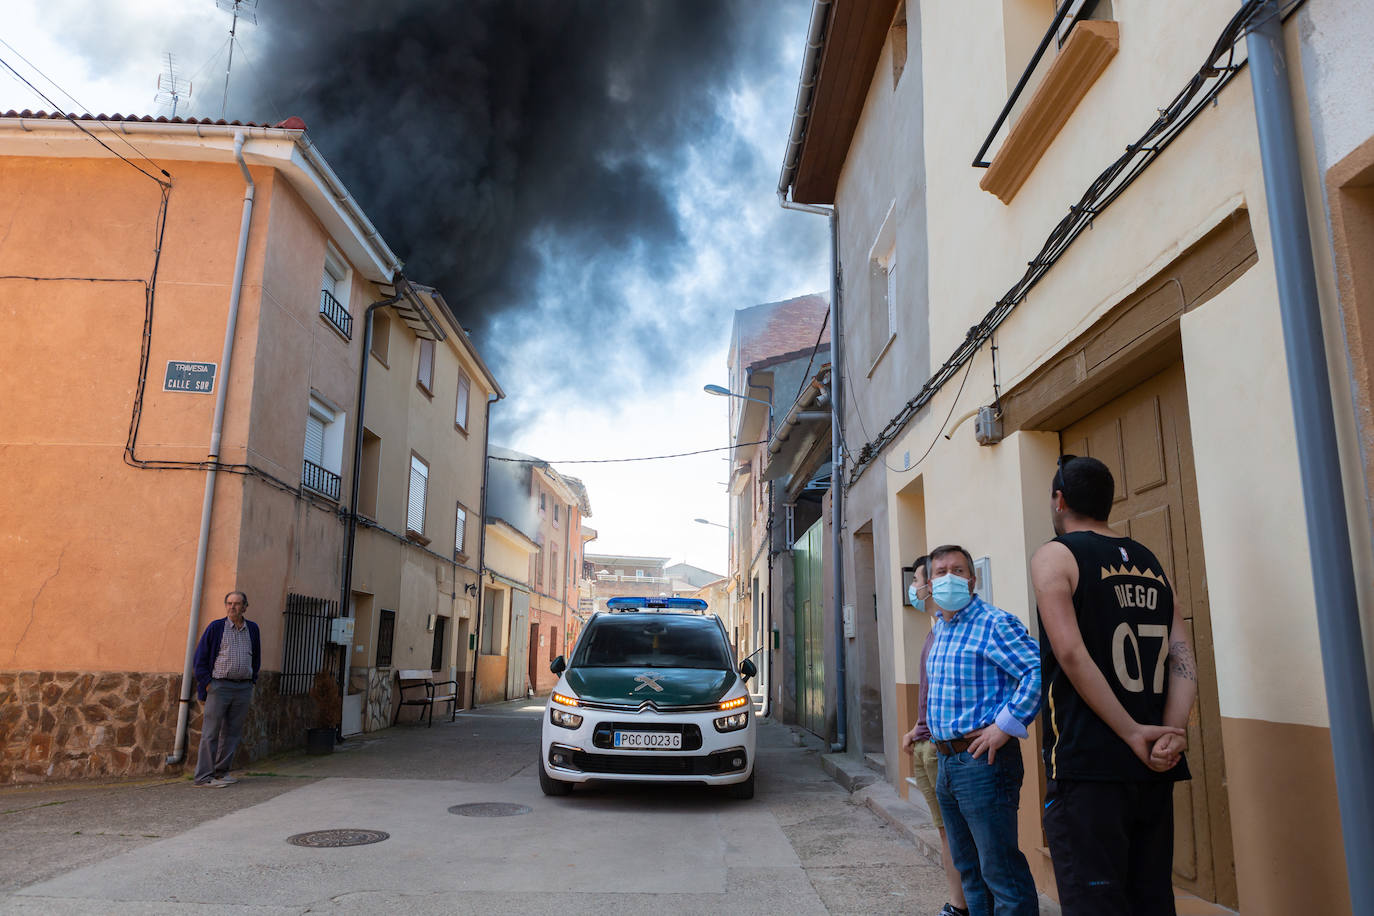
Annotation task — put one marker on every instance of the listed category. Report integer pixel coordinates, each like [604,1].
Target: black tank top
[1125,607]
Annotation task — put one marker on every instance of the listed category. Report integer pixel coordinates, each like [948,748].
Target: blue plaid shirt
[984,667]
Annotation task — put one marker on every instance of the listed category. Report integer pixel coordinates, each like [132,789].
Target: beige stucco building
[1150,339]
[415,576]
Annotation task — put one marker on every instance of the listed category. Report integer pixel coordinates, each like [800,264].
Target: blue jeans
[979,801]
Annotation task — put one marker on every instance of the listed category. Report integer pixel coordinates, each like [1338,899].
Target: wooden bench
[430,692]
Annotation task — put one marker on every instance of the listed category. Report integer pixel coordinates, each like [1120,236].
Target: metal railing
[321,480]
[612,577]
[1083,12]
[305,641]
[338,316]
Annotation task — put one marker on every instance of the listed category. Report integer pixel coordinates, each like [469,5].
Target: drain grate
[490,809]
[326,839]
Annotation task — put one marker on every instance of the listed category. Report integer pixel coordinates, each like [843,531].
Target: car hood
[677,686]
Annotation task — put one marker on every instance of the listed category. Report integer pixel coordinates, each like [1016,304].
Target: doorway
[808,629]
[1143,437]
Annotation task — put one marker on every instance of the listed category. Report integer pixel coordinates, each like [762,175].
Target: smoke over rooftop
[552,165]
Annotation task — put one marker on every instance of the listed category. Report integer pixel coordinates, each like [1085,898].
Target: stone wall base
[68,725]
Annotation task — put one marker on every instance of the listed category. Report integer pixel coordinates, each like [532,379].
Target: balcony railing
[332,309]
[647,580]
[321,480]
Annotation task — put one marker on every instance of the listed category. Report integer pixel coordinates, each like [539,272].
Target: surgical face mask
[913,596]
[951,592]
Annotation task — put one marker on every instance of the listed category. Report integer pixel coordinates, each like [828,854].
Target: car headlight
[564,718]
[732,723]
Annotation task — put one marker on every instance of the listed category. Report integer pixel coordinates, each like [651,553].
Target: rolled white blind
[419,485]
[314,439]
[458,530]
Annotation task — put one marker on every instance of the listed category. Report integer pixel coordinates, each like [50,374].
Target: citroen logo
[648,680]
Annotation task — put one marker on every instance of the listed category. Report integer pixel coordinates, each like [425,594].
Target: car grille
[658,764]
[691,734]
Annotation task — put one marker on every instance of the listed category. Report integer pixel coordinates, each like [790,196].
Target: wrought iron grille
[334,311]
[305,641]
[319,479]
[386,633]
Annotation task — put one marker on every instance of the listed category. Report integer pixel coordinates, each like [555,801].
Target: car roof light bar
[634,604]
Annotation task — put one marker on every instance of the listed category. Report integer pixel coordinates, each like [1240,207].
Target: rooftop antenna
[170,86]
[246,9]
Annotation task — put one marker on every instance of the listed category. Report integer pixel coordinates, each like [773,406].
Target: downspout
[216,434]
[346,593]
[836,465]
[801,116]
[1338,622]
[481,550]
[766,637]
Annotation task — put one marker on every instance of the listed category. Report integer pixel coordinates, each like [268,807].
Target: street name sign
[197,378]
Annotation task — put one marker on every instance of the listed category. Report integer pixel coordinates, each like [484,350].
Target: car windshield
[652,641]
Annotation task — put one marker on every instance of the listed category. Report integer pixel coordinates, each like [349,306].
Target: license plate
[666,740]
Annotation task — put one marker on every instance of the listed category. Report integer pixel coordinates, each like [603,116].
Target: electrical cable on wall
[1220,68]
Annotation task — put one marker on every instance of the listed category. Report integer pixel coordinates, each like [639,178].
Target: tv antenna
[240,9]
[170,86]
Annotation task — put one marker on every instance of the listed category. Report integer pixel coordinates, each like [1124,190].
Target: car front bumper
[707,756]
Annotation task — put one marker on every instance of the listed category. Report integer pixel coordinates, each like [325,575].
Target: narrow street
[799,846]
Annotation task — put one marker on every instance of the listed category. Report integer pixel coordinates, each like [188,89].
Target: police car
[650,694]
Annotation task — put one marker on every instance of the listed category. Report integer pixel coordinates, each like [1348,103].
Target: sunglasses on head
[1059,472]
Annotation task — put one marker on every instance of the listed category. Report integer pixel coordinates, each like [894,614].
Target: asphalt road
[163,846]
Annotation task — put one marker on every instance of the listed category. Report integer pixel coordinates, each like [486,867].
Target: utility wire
[122,139]
[703,451]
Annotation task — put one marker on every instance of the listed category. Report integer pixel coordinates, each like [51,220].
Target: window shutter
[425,376]
[314,439]
[419,484]
[459,530]
[892,295]
[464,393]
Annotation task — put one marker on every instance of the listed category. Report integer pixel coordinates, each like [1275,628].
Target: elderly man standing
[227,661]
[984,673]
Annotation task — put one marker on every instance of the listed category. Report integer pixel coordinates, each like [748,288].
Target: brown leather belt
[952,747]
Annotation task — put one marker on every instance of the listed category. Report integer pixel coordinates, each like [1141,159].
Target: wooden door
[519,644]
[809,647]
[1143,437]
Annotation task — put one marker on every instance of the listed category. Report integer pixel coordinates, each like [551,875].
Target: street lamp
[702,521]
[722,392]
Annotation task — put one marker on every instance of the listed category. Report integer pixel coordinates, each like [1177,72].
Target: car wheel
[551,786]
[742,789]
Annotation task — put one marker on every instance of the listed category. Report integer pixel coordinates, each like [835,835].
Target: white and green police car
[650,694]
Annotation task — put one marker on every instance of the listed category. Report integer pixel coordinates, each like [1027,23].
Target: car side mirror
[558,665]
[747,669]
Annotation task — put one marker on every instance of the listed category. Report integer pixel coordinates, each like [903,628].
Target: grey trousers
[226,706]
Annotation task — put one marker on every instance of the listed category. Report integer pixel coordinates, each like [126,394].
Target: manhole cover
[490,809]
[323,839]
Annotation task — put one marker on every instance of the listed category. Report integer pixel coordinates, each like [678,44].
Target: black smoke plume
[519,154]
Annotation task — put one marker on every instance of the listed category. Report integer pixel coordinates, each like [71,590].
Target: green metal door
[809,649]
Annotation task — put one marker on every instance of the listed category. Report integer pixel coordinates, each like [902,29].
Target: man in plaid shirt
[984,677]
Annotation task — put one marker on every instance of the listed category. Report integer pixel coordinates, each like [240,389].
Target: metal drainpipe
[216,434]
[836,464]
[346,593]
[1338,622]
[766,637]
[481,550]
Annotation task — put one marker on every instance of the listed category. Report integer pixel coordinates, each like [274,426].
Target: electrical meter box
[341,631]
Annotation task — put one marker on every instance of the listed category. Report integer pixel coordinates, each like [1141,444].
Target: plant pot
[320,740]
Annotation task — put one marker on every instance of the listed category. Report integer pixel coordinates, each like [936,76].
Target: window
[555,514]
[323,453]
[882,299]
[419,489]
[460,532]
[386,634]
[460,415]
[539,568]
[334,294]
[493,621]
[542,497]
[424,375]
[1102,9]
[381,336]
[436,655]
[305,633]
[553,572]
[369,474]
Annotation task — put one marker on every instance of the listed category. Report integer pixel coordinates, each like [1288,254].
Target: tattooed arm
[1182,692]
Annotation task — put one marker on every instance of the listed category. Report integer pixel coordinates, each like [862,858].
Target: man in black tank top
[1119,682]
